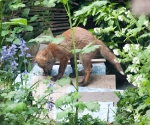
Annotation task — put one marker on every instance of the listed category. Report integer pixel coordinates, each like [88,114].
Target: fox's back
[82,38]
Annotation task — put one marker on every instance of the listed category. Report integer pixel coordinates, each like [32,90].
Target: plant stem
[75,56]
[0,23]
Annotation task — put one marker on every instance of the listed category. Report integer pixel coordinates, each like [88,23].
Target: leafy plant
[133,107]
[115,23]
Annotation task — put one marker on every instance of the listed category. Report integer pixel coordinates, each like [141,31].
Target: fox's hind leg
[73,74]
[87,64]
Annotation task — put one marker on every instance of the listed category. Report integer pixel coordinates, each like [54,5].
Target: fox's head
[45,60]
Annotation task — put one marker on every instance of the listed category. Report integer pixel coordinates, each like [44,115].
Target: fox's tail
[110,57]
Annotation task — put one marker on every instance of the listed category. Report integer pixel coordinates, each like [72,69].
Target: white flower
[126,47]
[137,46]
[117,33]
[135,60]
[120,18]
[136,117]
[127,13]
[116,52]
[129,108]
[123,30]
[97,30]
[129,78]
[133,69]
[146,23]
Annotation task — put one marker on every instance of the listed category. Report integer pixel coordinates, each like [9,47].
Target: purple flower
[22,47]
[50,104]
[14,65]
[50,85]
[28,55]
[12,50]
[25,72]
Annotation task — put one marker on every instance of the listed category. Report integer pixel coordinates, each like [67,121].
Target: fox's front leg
[62,67]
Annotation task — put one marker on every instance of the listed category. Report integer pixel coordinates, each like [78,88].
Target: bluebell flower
[14,65]
[50,104]
[50,85]
[25,72]
[28,55]
[12,49]
[23,47]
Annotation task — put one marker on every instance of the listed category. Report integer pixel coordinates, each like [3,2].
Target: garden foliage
[127,35]
[17,106]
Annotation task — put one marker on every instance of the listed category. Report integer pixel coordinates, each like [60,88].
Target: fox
[47,57]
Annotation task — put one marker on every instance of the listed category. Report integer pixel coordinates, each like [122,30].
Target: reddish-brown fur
[46,58]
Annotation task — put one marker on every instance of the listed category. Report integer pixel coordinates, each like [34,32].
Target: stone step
[100,81]
[97,69]
[99,97]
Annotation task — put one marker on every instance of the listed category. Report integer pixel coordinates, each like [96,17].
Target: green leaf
[17,21]
[148,113]
[80,105]
[92,106]
[29,28]
[48,39]
[62,114]
[85,9]
[75,96]
[60,101]
[37,3]
[63,81]
[5,32]
[147,101]
[64,1]
[20,107]
[16,41]
[17,5]
[89,48]
[26,12]
[141,20]
[76,51]
[35,17]
[10,107]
